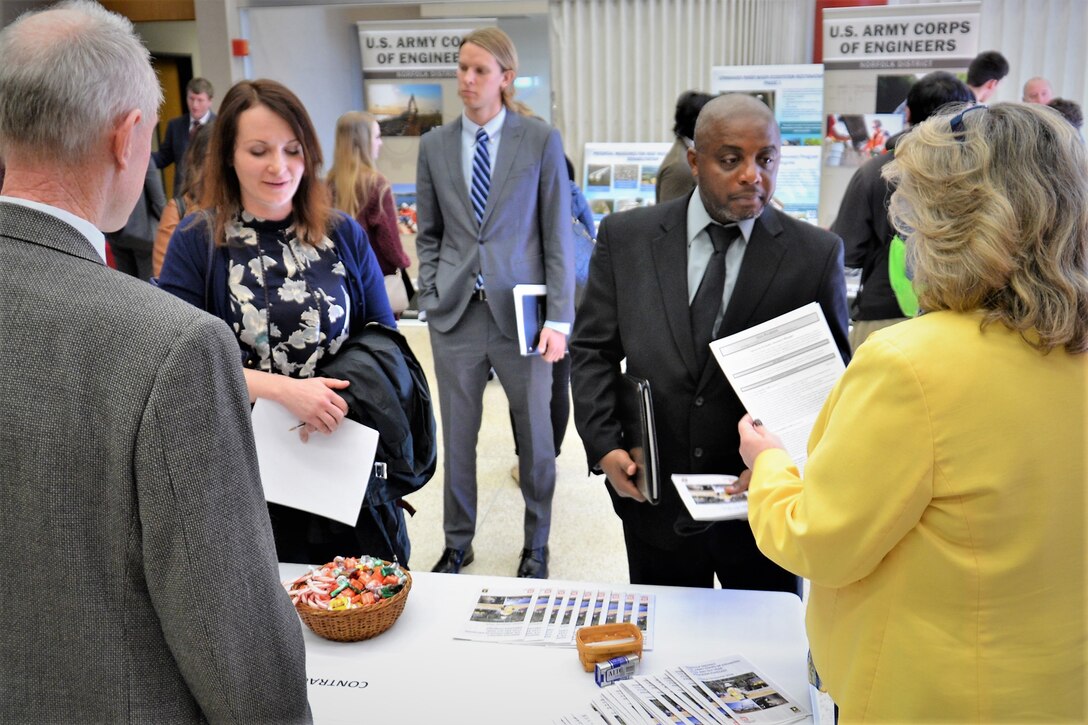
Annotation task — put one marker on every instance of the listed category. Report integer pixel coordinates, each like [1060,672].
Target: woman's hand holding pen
[754,439]
[314,401]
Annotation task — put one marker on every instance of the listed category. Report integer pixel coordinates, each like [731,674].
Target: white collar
[81,225]
[492,127]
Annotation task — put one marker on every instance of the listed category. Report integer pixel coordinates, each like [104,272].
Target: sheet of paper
[782,370]
[327,475]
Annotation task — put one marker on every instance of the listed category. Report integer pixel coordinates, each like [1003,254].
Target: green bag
[902,285]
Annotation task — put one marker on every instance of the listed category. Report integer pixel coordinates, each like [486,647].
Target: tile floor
[586,540]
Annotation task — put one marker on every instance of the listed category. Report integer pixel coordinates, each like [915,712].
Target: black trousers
[727,549]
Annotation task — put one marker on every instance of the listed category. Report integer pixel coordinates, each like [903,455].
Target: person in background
[363,193]
[985,73]
[1070,110]
[877,139]
[187,201]
[674,178]
[665,281]
[132,244]
[1038,90]
[141,577]
[941,515]
[291,277]
[863,222]
[494,212]
[180,130]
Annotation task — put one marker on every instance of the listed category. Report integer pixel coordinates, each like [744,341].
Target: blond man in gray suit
[494,212]
[141,581]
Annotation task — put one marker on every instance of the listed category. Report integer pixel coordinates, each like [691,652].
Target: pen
[297,426]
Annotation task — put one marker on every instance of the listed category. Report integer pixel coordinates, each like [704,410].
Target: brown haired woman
[292,278]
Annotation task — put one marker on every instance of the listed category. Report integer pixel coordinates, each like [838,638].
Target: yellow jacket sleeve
[868,477]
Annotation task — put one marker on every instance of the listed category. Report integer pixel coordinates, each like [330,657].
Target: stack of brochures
[723,692]
[552,615]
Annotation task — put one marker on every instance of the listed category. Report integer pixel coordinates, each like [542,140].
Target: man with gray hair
[142,580]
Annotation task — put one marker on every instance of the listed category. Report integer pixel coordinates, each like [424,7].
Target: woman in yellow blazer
[941,516]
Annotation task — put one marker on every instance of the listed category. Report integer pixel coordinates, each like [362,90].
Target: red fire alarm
[239,47]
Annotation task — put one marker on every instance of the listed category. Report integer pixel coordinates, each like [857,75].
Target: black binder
[635,410]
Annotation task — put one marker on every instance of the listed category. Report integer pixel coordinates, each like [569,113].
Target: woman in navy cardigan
[292,278]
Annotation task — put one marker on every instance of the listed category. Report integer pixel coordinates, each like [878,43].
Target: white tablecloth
[416,672]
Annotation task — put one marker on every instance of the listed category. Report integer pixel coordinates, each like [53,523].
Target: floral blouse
[289,303]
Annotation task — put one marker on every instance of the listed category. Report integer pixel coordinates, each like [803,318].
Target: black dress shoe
[453,559]
[534,563]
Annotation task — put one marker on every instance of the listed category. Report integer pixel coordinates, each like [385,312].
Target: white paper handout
[706,499]
[782,370]
[326,475]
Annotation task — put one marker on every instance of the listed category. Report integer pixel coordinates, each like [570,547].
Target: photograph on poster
[625,176]
[600,175]
[851,138]
[892,90]
[648,180]
[405,109]
[404,198]
[762,94]
[601,206]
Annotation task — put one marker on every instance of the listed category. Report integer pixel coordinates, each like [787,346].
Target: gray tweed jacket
[139,573]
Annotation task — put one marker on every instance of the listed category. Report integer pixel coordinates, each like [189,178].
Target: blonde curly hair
[995,214]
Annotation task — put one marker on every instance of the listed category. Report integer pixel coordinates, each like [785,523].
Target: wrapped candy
[347,583]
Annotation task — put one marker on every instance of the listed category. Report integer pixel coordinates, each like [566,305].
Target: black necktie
[193,129]
[708,300]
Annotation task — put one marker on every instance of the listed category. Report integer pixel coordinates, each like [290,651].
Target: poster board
[620,176]
[872,55]
[795,95]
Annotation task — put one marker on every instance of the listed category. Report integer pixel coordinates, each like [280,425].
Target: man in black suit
[643,302]
[180,130]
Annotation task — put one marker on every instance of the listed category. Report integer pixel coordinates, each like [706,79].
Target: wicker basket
[353,625]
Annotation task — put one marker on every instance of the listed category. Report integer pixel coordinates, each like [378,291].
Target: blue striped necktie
[481,175]
[481,185]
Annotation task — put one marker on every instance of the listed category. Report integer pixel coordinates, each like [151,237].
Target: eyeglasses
[957,121]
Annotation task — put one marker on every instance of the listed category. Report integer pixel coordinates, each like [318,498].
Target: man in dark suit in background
[180,130]
[132,244]
[494,211]
[142,583]
[657,294]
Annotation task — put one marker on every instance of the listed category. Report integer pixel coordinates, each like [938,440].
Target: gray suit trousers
[462,357]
